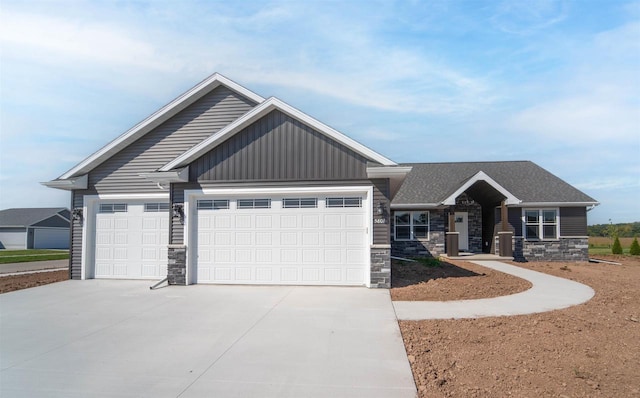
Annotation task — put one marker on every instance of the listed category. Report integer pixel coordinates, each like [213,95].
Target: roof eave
[69,184]
[557,204]
[166,177]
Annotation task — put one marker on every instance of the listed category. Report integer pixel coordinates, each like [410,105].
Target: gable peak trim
[160,116]
[482,176]
[272,103]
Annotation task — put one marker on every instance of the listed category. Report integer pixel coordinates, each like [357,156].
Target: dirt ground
[589,350]
[18,282]
[453,280]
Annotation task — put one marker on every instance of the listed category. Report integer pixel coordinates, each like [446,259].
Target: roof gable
[156,119]
[431,184]
[257,113]
[25,217]
[278,147]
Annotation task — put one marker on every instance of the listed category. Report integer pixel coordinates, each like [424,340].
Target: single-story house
[34,228]
[224,186]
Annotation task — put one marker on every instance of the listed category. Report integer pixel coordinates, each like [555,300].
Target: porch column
[505,235]
[452,236]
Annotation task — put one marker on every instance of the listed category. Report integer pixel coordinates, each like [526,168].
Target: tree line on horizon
[621,230]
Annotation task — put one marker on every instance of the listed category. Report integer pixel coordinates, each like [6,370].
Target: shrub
[617,247]
[634,250]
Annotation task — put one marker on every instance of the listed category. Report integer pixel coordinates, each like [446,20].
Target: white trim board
[258,112]
[157,118]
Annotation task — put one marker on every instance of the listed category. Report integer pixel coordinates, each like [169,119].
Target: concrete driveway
[119,339]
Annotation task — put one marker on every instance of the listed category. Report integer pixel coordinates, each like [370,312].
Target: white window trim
[411,234]
[540,224]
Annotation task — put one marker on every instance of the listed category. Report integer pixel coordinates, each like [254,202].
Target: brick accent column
[177,265]
[381,266]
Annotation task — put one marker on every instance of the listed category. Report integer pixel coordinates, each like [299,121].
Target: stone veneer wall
[563,249]
[177,266]
[434,246]
[381,266]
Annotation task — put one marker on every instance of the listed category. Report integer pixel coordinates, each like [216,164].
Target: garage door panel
[243,221]
[281,245]
[130,243]
[289,274]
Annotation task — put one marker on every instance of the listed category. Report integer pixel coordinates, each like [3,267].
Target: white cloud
[58,40]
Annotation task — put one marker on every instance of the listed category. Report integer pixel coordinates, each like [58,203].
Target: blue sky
[555,82]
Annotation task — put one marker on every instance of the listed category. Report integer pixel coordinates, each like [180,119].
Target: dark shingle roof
[432,183]
[25,217]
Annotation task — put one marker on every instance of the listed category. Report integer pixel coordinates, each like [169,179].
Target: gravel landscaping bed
[590,350]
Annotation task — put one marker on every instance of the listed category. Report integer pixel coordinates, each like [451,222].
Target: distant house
[224,186]
[34,228]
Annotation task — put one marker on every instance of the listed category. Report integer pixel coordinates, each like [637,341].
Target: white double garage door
[300,238]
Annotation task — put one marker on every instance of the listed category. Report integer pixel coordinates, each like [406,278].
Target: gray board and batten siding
[279,148]
[121,172]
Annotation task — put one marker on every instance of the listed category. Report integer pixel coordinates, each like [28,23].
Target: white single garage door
[301,240]
[51,238]
[131,240]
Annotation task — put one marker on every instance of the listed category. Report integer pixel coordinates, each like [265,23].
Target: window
[254,203]
[344,202]
[113,207]
[156,207]
[540,224]
[300,203]
[411,225]
[216,204]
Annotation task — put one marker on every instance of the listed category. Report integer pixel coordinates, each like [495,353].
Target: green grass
[596,250]
[23,256]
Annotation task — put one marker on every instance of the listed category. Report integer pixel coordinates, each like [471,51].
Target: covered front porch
[477,220]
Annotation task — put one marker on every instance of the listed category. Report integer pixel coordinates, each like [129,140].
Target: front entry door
[462,226]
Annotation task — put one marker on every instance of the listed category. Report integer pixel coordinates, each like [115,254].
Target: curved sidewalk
[547,293]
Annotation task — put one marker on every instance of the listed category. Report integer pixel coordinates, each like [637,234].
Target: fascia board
[482,176]
[181,175]
[80,182]
[409,206]
[256,113]
[388,172]
[557,204]
[159,117]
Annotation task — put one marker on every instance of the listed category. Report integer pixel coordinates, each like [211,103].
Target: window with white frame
[344,202]
[215,204]
[113,208]
[156,207]
[411,225]
[299,203]
[540,224]
[253,204]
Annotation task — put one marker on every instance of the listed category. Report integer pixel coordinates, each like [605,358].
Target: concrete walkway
[547,293]
[31,266]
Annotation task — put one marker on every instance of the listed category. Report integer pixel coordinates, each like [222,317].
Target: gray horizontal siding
[278,147]
[381,232]
[573,221]
[120,173]
[75,248]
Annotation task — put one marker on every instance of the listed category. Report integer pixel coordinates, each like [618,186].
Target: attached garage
[131,239]
[300,238]
[51,238]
